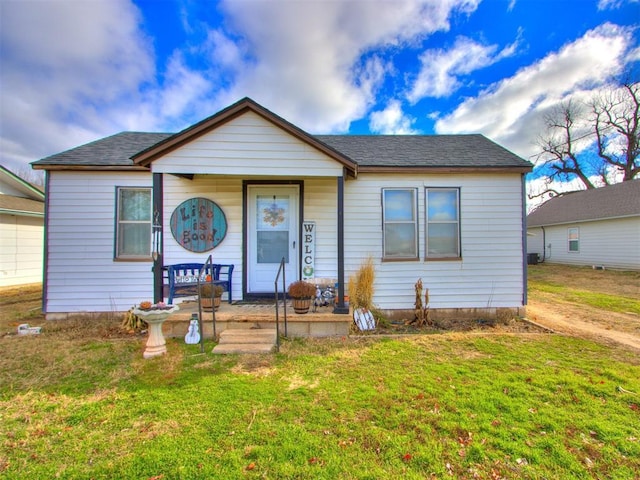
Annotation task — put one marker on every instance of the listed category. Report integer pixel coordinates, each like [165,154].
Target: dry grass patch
[612,282]
[255,365]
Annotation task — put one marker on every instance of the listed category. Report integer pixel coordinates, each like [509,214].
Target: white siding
[320,206]
[21,249]
[82,274]
[535,241]
[490,273]
[613,243]
[248,144]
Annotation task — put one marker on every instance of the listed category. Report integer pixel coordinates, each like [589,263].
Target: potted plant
[208,290]
[301,293]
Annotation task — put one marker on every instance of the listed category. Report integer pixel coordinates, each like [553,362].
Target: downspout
[544,244]
[340,307]
[158,294]
[524,238]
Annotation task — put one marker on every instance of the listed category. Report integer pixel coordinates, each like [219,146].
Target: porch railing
[202,274]
[284,303]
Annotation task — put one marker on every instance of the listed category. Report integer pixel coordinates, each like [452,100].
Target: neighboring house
[597,227]
[251,188]
[21,230]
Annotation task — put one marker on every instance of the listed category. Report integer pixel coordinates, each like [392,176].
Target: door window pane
[272,228]
[272,246]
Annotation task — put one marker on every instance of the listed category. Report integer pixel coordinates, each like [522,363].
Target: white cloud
[441,69]
[613,4]
[75,71]
[511,111]
[391,121]
[306,57]
[63,66]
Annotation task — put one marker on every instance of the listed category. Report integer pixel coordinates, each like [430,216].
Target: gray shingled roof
[115,150]
[366,150]
[20,205]
[423,151]
[613,201]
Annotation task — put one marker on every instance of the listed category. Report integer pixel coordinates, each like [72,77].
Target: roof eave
[433,169]
[21,213]
[23,183]
[583,220]
[111,168]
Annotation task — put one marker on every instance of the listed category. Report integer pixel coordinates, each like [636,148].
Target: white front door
[273,222]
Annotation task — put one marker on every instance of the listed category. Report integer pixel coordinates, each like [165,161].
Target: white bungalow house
[598,227]
[21,230]
[246,186]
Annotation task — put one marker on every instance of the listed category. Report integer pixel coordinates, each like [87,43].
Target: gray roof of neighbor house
[21,206]
[613,201]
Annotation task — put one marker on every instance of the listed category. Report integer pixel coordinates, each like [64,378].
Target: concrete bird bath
[155,317]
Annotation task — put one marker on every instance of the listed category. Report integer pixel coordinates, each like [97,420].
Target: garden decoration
[364,319]
[155,315]
[193,335]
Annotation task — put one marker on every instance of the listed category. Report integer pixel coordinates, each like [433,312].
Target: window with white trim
[443,222]
[573,239]
[133,223]
[400,223]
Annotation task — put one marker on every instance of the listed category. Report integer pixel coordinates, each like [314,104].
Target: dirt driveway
[581,320]
[587,323]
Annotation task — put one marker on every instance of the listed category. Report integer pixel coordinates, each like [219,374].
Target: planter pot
[206,303]
[301,305]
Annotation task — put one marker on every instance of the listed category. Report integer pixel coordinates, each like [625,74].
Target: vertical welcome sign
[308,250]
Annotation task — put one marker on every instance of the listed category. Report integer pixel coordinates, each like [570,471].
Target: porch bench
[181,279]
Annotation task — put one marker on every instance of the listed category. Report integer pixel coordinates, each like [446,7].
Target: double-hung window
[573,237]
[133,223]
[400,223]
[443,222]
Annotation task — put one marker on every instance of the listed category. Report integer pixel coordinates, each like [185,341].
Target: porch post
[158,294]
[340,306]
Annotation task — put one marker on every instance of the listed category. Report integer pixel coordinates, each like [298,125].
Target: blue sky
[75,71]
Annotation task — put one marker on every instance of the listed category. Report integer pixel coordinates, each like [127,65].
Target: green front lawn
[440,406]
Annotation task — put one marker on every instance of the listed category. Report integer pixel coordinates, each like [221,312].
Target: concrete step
[260,335]
[235,341]
[242,348]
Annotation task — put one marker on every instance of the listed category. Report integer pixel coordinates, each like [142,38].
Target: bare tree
[617,130]
[32,176]
[595,143]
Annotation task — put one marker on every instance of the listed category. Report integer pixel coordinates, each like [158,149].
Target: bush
[361,286]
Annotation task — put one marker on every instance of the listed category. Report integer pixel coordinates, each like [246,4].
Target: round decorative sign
[198,224]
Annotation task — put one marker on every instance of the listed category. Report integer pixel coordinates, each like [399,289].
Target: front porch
[236,316]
